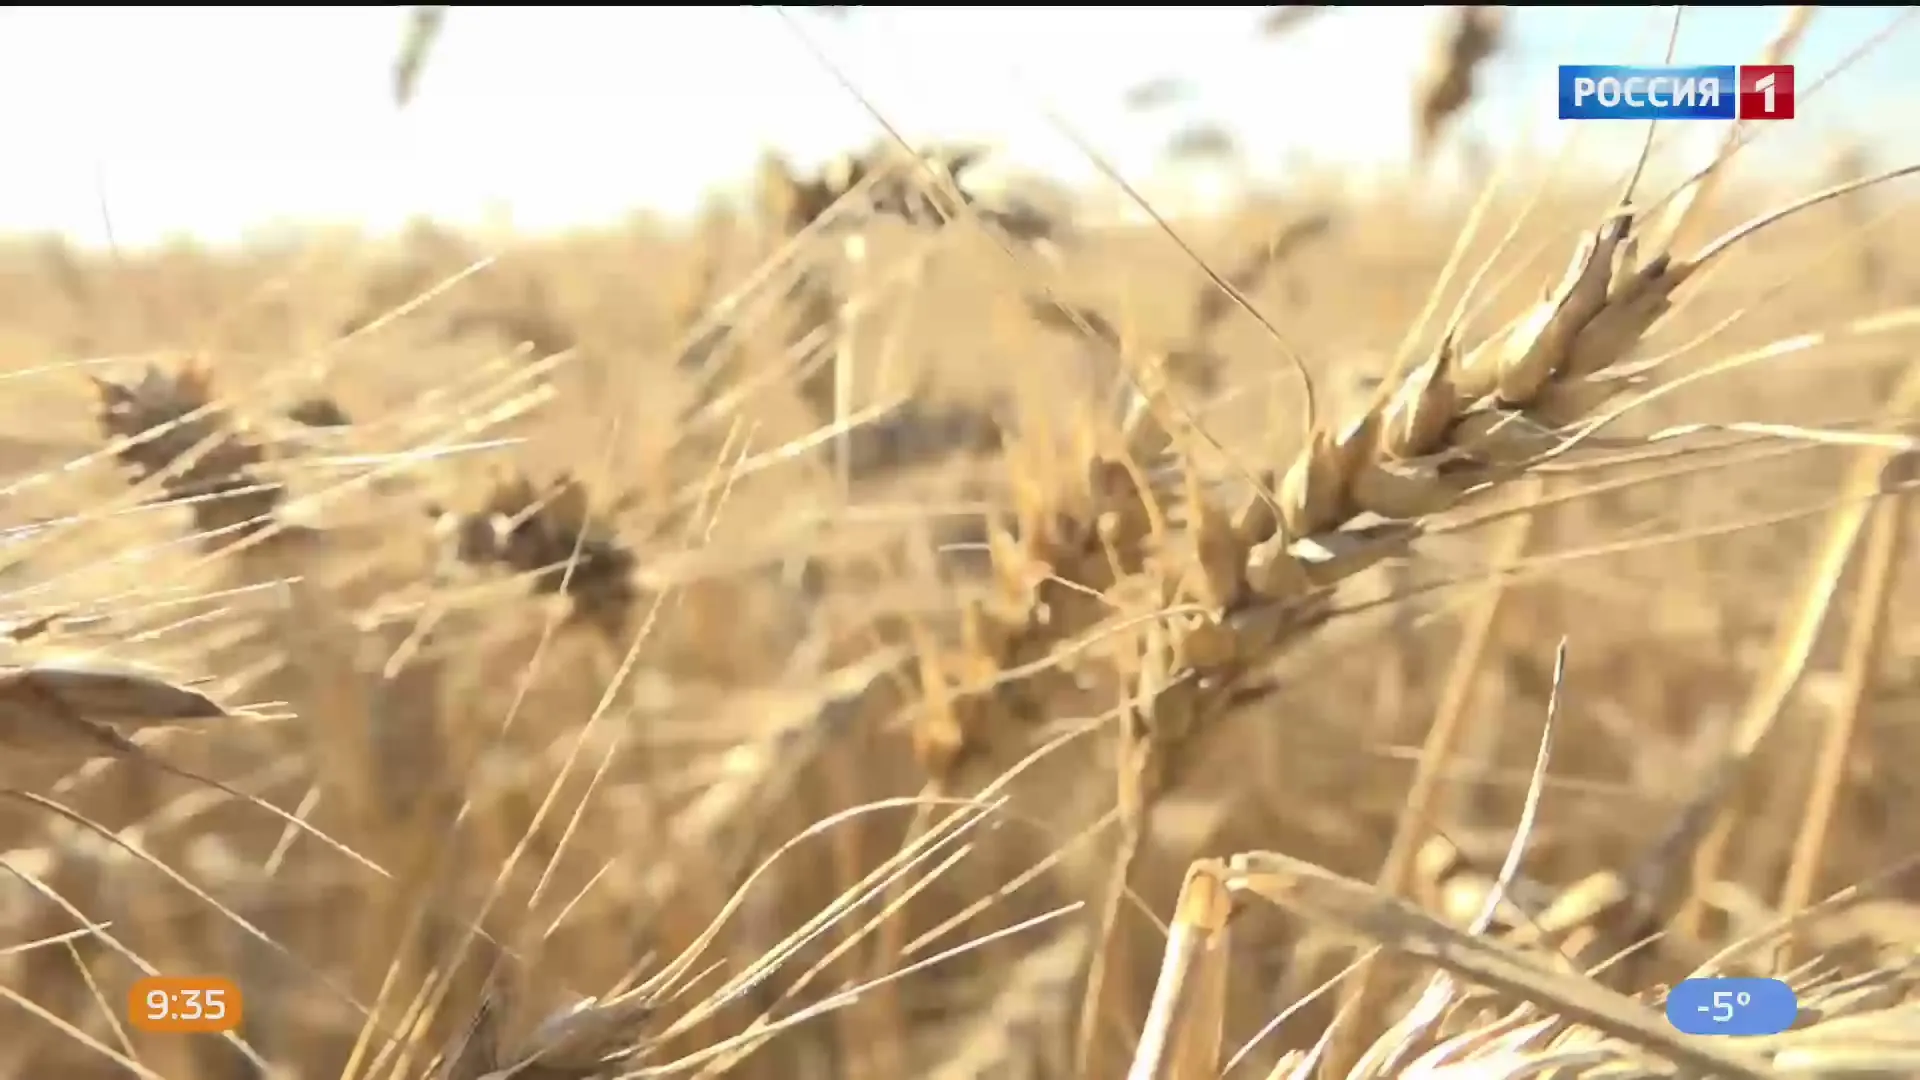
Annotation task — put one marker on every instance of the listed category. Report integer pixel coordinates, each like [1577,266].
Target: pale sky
[211,122]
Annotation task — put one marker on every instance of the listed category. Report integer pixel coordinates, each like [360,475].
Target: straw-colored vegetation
[891,630]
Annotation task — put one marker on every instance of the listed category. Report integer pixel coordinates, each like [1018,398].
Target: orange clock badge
[176,1003]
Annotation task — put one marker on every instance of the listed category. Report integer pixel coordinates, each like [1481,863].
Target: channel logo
[1708,92]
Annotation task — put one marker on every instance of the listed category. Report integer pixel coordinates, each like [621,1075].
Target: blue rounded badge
[1732,1007]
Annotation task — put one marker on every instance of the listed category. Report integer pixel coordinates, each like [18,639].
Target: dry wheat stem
[431,995]
[1885,541]
[1316,894]
[1798,636]
[1180,1039]
[108,1013]
[1387,1056]
[1364,995]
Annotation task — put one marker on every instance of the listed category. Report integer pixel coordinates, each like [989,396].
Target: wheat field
[890,631]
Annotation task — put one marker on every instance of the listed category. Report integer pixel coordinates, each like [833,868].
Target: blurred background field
[769,436]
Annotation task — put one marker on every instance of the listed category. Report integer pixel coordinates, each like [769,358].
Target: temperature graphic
[1732,1007]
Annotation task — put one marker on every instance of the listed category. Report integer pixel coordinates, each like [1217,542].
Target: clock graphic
[174,1003]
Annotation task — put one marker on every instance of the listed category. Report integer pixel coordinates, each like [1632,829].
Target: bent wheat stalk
[1361,910]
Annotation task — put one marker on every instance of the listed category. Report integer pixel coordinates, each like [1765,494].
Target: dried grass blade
[1885,542]
[1320,895]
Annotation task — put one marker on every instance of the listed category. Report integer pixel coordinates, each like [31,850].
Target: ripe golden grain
[752,809]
